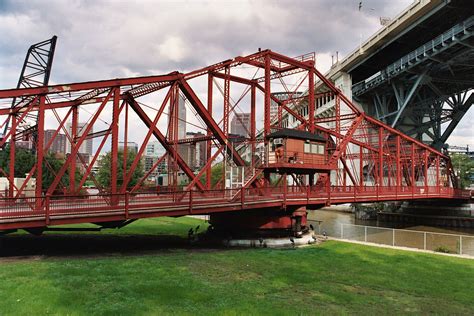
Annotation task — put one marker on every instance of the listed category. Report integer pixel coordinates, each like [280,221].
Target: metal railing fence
[439,242]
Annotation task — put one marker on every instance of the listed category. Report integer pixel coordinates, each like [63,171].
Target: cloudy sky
[108,39]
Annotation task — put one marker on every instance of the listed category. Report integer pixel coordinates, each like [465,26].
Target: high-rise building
[240,124]
[154,151]
[200,152]
[282,96]
[24,144]
[86,147]
[131,146]
[194,153]
[59,143]
[181,117]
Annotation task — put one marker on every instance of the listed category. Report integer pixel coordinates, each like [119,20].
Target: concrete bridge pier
[260,222]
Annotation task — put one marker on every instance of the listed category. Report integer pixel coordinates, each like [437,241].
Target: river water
[332,217]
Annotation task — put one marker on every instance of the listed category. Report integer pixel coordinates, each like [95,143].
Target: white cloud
[173,48]
[108,39]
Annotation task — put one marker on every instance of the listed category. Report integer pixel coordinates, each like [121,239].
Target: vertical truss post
[398,162]
[426,168]
[338,117]
[268,100]
[127,177]
[11,172]
[437,174]
[226,117]
[114,149]
[125,148]
[171,131]
[380,156]
[311,99]
[253,128]
[412,176]
[448,174]
[72,164]
[338,129]
[40,153]
[175,136]
[361,167]
[210,80]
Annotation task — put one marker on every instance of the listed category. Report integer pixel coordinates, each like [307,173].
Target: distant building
[154,151]
[131,146]
[86,147]
[24,144]
[96,165]
[282,96]
[195,155]
[58,146]
[240,124]
[28,190]
[181,117]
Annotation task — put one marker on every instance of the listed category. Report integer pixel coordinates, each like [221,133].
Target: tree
[105,163]
[25,160]
[216,174]
[464,168]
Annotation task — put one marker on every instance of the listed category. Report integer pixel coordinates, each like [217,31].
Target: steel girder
[426,88]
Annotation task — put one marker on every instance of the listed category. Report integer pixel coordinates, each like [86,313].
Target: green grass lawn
[332,278]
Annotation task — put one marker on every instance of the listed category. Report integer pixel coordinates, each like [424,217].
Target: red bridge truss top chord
[363,160]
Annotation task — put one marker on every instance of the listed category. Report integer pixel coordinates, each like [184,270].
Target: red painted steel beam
[291,61]
[341,146]
[267,98]
[11,175]
[234,78]
[331,86]
[75,150]
[162,139]
[13,93]
[348,170]
[210,85]
[115,134]
[155,165]
[39,152]
[210,122]
[20,119]
[226,63]
[138,156]
[311,102]
[205,168]
[282,104]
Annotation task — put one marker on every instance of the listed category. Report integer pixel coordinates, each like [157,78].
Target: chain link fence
[440,242]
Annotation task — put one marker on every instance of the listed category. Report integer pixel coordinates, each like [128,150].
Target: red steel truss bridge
[363,159]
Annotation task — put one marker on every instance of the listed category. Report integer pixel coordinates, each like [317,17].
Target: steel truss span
[364,160]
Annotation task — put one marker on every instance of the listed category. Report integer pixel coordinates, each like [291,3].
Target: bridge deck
[57,210]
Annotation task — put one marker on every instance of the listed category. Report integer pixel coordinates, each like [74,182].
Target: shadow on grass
[91,245]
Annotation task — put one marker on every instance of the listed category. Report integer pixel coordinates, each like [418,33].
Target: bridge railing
[104,204]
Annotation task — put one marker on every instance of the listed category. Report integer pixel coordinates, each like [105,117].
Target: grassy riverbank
[333,278]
